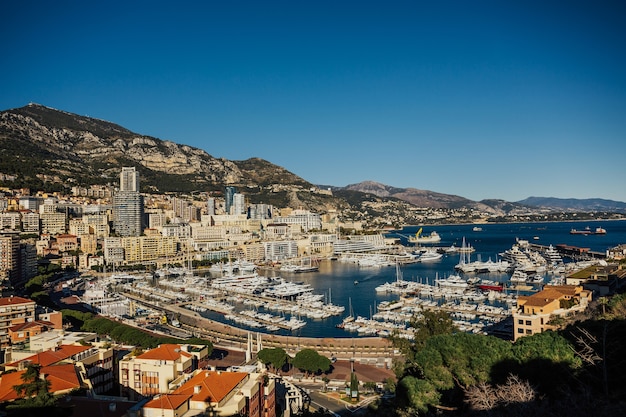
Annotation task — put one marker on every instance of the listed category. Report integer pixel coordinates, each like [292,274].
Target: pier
[571,252]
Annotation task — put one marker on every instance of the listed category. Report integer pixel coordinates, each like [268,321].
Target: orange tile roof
[214,386]
[50,357]
[14,300]
[168,352]
[538,302]
[167,401]
[61,377]
[30,324]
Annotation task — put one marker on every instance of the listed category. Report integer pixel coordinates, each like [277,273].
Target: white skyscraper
[129,179]
[128,207]
[239,204]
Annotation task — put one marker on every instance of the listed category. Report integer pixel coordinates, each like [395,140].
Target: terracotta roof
[50,357]
[214,386]
[14,300]
[61,377]
[29,325]
[167,401]
[538,302]
[169,352]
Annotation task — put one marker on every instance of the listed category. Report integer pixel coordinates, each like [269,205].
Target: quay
[573,252]
[230,337]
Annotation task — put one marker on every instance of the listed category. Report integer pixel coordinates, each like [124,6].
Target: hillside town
[113,242]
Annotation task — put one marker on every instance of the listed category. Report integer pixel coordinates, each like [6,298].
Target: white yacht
[430,255]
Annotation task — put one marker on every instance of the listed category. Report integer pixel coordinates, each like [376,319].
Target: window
[528,323]
[520,330]
[529,331]
[520,321]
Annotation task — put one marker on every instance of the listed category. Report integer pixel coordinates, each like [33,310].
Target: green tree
[277,357]
[416,394]
[425,326]
[311,362]
[354,387]
[34,390]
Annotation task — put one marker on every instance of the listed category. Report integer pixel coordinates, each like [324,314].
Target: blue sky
[482,99]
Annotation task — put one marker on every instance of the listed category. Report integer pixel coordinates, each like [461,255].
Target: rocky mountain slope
[83,150]
[44,148]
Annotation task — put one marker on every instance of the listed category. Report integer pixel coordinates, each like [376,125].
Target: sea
[353,286]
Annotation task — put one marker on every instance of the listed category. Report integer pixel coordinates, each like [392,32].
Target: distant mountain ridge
[39,144]
[589,204]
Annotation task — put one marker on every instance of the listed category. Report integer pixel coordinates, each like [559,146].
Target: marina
[348,298]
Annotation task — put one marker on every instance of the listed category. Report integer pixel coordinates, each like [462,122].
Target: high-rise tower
[228,198]
[128,209]
[129,179]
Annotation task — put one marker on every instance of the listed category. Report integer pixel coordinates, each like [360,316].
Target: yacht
[430,256]
[453,282]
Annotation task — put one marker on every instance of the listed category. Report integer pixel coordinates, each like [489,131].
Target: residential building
[128,213]
[129,180]
[139,249]
[30,221]
[10,220]
[67,242]
[54,223]
[13,310]
[9,257]
[31,203]
[151,372]
[210,206]
[260,211]
[534,312]
[280,249]
[225,393]
[228,199]
[93,363]
[63,379]
[305,219]
[239,204]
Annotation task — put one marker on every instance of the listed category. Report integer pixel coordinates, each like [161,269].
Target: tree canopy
[310,361]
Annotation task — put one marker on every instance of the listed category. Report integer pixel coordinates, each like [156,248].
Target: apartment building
[94,364]
[9,256]
[151,372]
[534,312]
[225,393]
[139,249]
[13,310]
[53,223]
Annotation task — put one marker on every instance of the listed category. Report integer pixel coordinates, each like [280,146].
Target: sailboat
[350,317]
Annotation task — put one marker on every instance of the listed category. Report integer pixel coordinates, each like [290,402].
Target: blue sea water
[336,280]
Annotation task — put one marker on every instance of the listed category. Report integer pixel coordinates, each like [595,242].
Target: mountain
[574,204]
[45,148]
[425,198]
[41,142]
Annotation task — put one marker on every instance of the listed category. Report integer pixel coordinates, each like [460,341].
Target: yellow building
[534,312]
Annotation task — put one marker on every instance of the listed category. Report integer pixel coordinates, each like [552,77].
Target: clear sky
[500,99]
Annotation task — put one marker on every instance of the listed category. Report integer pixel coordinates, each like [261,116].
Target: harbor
[346,299]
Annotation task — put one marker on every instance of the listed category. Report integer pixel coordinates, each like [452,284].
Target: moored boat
[433,237]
